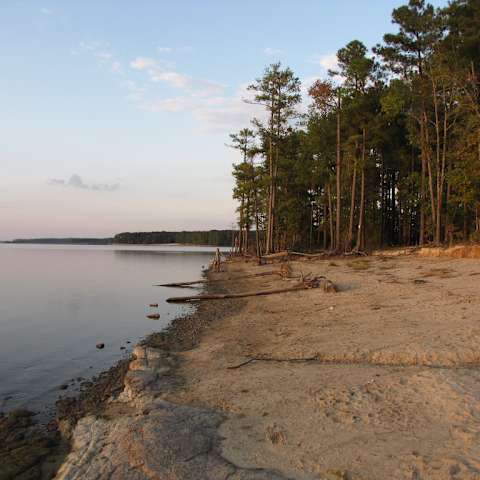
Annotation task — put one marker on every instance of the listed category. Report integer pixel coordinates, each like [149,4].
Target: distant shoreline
[61,241]
[212,238]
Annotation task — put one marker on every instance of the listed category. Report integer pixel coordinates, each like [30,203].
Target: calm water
[58,302]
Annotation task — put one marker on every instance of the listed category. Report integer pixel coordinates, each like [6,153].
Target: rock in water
[100,345]
[154,316]
[155,305]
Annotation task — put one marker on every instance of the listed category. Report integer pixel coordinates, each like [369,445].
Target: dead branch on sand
[306,284]
[285,272]
[359,362]
[324,254]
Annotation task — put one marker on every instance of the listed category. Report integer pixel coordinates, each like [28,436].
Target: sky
[115,114]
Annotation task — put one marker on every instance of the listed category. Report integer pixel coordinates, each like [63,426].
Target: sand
[380,380]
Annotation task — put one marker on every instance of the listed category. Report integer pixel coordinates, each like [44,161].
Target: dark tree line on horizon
[200,237]
[388,153]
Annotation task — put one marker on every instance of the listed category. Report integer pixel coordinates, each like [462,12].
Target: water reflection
[57,302]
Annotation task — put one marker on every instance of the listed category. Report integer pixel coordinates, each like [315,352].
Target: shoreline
[376,381]
[49,444]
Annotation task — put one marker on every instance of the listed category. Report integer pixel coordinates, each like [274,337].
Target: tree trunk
[430,176]
[338,178]
[330,217]
[324,226]
[269,229]
[360,246]
[421,234]
[352,207]
[241,225]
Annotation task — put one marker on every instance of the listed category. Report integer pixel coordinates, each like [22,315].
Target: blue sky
[115,114]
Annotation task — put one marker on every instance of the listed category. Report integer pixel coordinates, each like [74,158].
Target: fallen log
[180,284]
[276,255]
[316,282]
[309,255]
[357,253]
[186,284]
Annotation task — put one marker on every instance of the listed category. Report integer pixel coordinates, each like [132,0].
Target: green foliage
[210,237]
[408,120]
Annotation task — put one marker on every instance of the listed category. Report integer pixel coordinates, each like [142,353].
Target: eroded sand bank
[380,380]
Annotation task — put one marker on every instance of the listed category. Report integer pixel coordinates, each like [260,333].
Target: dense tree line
[65,241]
[208,237]
[388,152]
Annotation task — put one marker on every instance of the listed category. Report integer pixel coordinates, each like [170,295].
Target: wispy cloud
[103,55]
[327,61]
[46,11]
[142,63]
[157,72]
[206,100]
[185,49]
[272,51]
[75,181]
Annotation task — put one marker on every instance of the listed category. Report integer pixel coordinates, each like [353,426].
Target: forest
[384,151]
[207,237]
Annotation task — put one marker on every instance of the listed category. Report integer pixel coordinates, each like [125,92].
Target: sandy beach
[379,380]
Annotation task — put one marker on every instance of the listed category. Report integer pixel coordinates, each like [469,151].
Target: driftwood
[217,261]
[309,255]
[306,284]
[332,253]
[285,271]
[358,253]
[272,256]
[288,253]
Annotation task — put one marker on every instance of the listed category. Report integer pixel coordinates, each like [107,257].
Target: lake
[58,301]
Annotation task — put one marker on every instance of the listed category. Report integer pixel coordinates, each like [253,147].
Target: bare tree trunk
[247,218]
[269,230]
[447,216]
[361,221]
[318,221]
[430,176]
[257,226]
[338,178]
[441,174]
[324,226]
[440,160]
[352,207]
[330,217]
[241,224]
[311,227]
[421,240]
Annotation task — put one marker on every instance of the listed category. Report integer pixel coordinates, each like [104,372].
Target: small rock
[155,305]
[63,387]
[100,345]
[154,316]
[122,348]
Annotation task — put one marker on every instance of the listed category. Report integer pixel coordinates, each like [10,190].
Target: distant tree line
[210,237]
[65,241]
[388,151]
